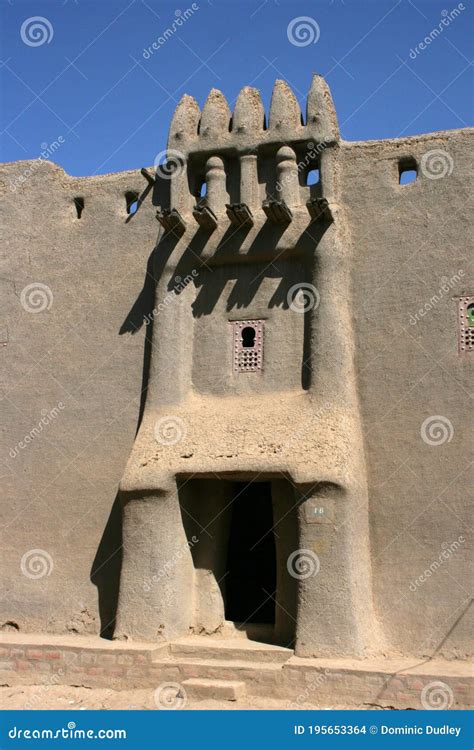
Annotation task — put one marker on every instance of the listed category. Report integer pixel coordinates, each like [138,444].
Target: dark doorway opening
[250,582]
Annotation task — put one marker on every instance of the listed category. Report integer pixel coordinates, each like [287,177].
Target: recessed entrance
[250,584]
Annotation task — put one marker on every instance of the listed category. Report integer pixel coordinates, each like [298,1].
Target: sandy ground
[80,698]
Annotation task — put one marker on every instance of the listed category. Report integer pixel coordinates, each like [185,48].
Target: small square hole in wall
[79,204]
[313,177]
[131,202]
[407,171]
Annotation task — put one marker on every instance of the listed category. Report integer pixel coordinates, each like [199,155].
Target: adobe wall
[60,488]
[80,364]
[413,251]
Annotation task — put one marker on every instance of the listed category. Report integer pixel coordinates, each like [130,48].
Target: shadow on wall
[106,570]
[427,659]
[228,252]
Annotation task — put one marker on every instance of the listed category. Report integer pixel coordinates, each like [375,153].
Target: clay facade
[280,366]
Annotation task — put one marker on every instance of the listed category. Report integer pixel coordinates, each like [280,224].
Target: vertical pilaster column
[216,193]
[334,596]
[249,193]
[335,605]
[157,579]
[287,176]
[171,366]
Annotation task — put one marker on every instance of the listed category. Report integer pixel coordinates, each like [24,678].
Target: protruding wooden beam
[239,214]
[319,208]
[148,177]
[171,220]
[205,217]
[277,211]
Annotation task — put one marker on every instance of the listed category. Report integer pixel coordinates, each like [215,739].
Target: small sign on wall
[320,512]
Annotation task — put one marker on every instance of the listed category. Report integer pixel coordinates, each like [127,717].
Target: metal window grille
[466,324]
[247,345]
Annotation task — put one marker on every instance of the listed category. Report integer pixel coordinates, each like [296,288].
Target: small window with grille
[466,324]
[247,338]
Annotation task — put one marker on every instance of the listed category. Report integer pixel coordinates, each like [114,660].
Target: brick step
[263,677]
[214,666]
[196,647]
[224,690]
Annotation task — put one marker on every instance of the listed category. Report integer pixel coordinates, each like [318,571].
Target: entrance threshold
[252,631]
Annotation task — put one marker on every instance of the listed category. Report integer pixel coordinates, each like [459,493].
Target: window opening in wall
[131,202]
[79,204]
[407,171]
[248,337]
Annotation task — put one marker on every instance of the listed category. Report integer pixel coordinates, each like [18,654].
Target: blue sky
[83,74]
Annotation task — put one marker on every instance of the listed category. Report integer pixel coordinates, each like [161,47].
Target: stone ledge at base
[224,690]
[47,660]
